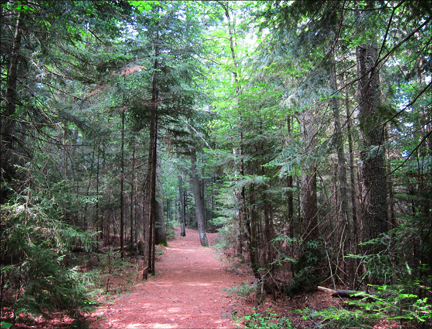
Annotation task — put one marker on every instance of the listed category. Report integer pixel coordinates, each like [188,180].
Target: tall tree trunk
[146,218]
[132,194]
[290,186]
[122,186]
[374,207]
[309,207]
[152,163]
[343,189]
[199,210]
[235,73]
[182,206]
[353,189]
[151,193]
[160,228]
[392,213]
[343,186]
[352,169]
[97,198]
[253,241]
[290,194]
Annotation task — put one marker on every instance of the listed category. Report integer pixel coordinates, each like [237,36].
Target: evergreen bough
[38,267]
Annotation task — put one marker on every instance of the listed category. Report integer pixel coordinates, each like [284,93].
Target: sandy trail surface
[186,291]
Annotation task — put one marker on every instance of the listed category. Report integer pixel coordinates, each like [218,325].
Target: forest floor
[186,291]
[191,290]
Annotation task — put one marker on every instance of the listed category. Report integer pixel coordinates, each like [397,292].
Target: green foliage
[380,265]
[268,320]
[170,229]
[400,302]
[308,269]
[340,318]
[164,244]
[226,235]
[41,266]
[115,274]
[389,262]
[243,290]
[5,325]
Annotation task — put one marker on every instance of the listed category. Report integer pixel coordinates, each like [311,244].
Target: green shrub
[243,290]
[114,269]
[400,302]
[270,320]
[308,269]
[39,266]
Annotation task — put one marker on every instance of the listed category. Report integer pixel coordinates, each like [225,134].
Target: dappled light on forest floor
[185,293]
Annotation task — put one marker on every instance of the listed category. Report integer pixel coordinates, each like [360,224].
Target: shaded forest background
[300,130]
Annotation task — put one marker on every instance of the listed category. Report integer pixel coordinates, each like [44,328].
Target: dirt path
[185,293]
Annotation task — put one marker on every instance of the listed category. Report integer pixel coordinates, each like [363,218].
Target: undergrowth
[268,320]
[399,303]
[243,290]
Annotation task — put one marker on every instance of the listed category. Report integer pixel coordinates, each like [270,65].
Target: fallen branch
[338,293]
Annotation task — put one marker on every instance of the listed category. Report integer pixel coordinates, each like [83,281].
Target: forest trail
[185,293]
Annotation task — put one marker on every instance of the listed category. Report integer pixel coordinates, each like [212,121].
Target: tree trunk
[182,206]
[290,186]
[343,189]
[199,210]
[253,242]
[132,195]
[309,207]
[160,228]
[242,211]
[151,193]
[97,200]
[352,171]
[122,186]
[151,172]
[343,186]
[374,207]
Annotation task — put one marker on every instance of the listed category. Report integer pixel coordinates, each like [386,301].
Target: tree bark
[343,189]
[199,210]
[97,199]
[343,185]
[309,207]
[152,163]
[160,228]
[242,211]
[290,186]
[151,190]
[132,195]
[352,170]
[182,206]
[122,186]
[374,207]
[253,242]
